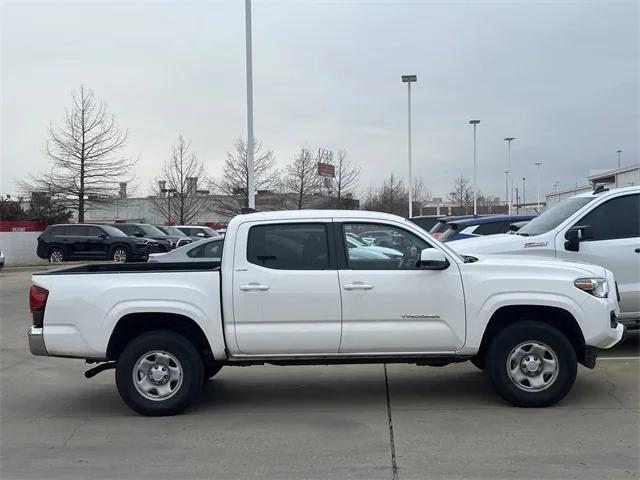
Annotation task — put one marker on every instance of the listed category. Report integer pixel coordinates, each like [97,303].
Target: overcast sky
[562,77]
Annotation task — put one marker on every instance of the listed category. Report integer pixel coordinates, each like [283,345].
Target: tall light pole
[509,140]
[506,175]
[250,166]
[619,152]
[555,186]
[524,191]
[409,79]
[538,186]
[475,169]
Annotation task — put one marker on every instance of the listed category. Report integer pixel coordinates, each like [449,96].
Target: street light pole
[409,79]
[619,152]
[509,140]
[524,191]
[250,165]
[475,169]
[506,175]
[538,186]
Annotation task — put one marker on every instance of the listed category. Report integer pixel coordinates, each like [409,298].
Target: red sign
[326,170]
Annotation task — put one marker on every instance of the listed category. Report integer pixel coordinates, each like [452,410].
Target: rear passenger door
[286,298]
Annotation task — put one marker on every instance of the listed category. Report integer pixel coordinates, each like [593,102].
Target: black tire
[56,255]
[478,363]
[177,346]
[211,370]
[118,253]
[499,352]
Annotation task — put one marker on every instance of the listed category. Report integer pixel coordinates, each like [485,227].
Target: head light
[597,287]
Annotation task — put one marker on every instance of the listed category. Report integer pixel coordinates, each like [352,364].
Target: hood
[523,262]
[501,243]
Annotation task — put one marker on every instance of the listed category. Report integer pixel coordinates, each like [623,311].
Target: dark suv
[143,230]
[92,242]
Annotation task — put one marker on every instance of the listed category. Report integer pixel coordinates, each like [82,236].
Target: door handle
[358,286]
[254,287]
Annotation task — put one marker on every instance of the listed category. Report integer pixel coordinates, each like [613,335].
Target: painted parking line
[618,358]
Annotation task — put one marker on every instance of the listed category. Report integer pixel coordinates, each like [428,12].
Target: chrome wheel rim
[157,375]
[532,366]
[56,256]
[120,256]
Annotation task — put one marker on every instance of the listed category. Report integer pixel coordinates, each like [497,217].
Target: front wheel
[120,255]
[531,364]
[159,373]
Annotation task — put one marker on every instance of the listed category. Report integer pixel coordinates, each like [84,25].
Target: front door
[615,245]
[390,305]
[286,298]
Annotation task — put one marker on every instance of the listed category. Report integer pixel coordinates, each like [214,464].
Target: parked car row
[120,242]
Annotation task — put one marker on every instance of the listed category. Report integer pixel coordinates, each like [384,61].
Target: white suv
[601,228]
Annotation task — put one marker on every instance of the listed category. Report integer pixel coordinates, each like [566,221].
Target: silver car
[206,250]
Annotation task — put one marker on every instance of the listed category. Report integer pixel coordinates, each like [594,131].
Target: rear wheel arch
[133,325]
[555,317]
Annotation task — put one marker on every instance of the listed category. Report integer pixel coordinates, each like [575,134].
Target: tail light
[37,302]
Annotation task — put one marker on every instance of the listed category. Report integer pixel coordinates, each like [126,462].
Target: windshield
[113,231]
[151,230]
[174,231]
[553,217]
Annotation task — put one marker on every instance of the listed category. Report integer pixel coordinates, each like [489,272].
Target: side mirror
[138,234]
[102,235]
[433,259]
[575,235]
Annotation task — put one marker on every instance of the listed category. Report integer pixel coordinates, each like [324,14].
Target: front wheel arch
[556,317]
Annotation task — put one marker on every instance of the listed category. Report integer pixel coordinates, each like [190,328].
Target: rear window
[492,228]
[439,227]
[299,246]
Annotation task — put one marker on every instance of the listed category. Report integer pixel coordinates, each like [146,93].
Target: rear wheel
[120,255]
[56,255]
[531,364]
[159,373]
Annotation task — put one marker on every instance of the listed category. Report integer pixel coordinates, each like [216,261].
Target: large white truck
[600,227]
[288,291]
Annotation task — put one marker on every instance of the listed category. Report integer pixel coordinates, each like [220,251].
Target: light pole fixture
[509,140]
[619,152]
[409,79]
[251,199]
[170,193]
[538,186]
[475,169]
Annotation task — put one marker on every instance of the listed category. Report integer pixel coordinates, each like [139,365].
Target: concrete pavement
[309,422]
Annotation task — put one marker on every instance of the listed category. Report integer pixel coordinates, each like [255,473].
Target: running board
[431,360]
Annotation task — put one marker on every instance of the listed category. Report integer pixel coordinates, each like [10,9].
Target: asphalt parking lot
[339,422]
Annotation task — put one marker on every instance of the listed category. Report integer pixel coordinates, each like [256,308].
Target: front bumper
[36,342]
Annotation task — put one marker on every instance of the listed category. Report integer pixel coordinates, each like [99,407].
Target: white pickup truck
[600,227]
[287,291]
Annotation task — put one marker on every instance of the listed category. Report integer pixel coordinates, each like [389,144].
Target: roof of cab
[633,188]
[314,214]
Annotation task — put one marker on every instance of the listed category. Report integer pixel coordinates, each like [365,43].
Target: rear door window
[299,246]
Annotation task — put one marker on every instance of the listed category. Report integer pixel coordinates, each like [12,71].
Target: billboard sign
[326,170]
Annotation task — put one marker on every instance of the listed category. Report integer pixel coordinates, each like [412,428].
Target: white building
[620,177]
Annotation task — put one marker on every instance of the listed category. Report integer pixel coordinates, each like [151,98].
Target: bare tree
[86,165]
[301,177]
[343,185]
[461,195]
[176,194]
[393,196]
[233,184]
